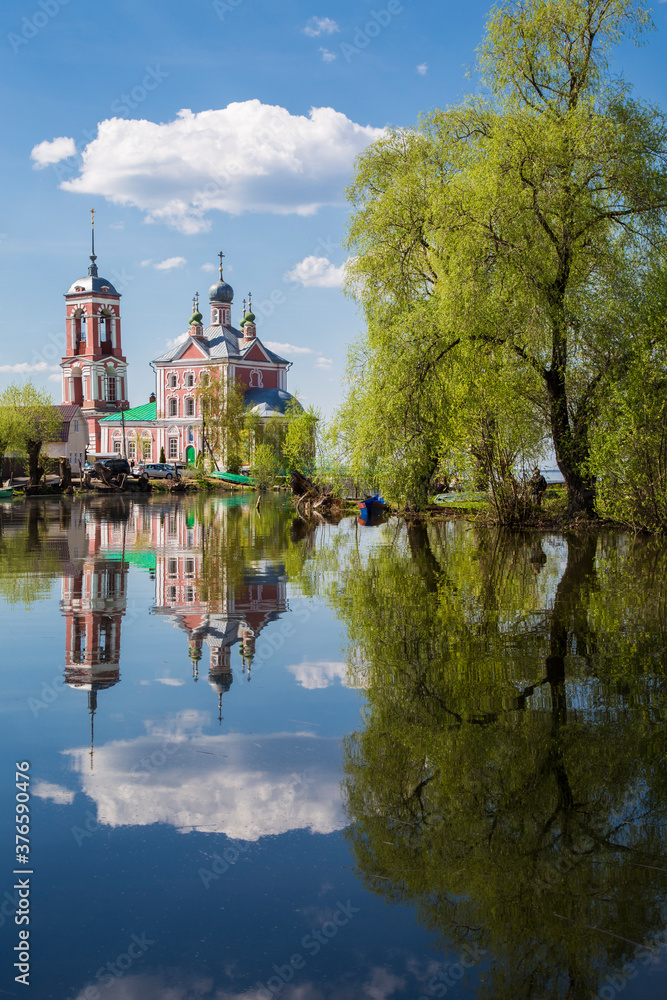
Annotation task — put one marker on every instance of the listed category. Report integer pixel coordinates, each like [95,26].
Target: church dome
[91,283]
[221,292]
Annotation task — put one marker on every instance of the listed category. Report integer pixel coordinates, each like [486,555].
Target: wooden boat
[372,506]
[6,492]
[231,477]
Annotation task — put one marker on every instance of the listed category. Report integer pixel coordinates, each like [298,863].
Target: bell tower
[94,368]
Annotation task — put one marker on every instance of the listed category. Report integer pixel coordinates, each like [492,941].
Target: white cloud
[327,55]
[324,363]
[248,156]
[46,790]
[169,681]
[317,272]
[54,378]
[320,26]
[182,337]
[208,267]
[319,674]
[170,263]
[52,151]
[24,367]
[422,69]
[246,786]
[279,348]
[164,265]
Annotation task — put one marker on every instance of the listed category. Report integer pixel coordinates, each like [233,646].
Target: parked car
[115,466]
[157,470]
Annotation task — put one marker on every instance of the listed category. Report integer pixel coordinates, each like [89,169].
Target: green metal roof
[145,560]
[146,412]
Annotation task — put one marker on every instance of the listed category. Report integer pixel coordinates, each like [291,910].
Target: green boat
[6,492]
[231,477]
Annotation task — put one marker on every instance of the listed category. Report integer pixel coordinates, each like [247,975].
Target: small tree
[162,458]
[300,444]
[265,465]
[28,420]
[223,409]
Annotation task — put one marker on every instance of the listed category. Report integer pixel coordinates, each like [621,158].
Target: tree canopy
[28,420]
[509,254]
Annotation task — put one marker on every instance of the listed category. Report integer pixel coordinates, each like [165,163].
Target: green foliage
[162,458]
[28,420]
[223,409]
[500,253]
[300,442]
[630,451]
[265,465]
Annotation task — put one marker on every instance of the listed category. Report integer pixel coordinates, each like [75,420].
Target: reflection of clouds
[319,673]
[169,681]
[157,988]
[245,786]
[382,984]
[46,790]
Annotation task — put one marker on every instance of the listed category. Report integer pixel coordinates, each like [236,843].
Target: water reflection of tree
[508,781]
[235,535]
[29,565]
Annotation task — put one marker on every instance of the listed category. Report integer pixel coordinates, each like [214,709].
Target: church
[95,375]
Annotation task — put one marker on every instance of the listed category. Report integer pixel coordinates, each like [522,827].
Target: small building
[72,442]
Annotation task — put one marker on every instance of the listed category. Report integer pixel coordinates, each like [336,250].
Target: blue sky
[172,189]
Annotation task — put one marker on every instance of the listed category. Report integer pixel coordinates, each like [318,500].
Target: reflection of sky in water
[217,729]
[284,782]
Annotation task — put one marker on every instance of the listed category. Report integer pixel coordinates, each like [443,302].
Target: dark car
[116,466]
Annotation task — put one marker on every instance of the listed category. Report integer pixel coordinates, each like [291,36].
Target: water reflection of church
[168,542]
[235,617]
[94,600]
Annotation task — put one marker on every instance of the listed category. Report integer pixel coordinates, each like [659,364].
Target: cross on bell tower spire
[92,270]
[221,255]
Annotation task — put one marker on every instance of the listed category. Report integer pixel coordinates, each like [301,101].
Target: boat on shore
[372,506]
[232,477]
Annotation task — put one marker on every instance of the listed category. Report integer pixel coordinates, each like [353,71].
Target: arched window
[189,380]
[189,407]
[173,381]
[172,407]
[256,381]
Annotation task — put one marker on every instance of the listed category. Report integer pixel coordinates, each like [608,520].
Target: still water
[329,763]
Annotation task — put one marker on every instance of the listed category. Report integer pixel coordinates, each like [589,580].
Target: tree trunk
[65,473]
[571,447]
[35,471]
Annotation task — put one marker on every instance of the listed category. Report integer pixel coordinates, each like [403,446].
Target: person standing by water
[538,485]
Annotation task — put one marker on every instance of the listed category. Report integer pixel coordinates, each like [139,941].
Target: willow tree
[28,421]
[523,226]
[224,419]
